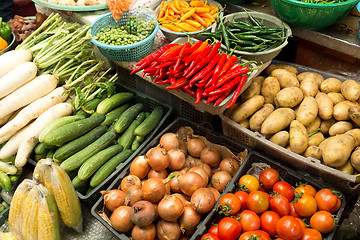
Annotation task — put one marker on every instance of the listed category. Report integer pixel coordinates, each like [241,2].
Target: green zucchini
[75,161]
[106,169]
[40,148]
[128,136]
[78,183]
[5,181]
[112,102]
[58,123]
[127,117]
[96,161]
[114,114]
[150,122]
[78,144]
[73,130]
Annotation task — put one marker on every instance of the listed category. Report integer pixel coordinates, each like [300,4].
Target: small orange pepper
[187,15]
[193,23]
[172,27]
[3,44]
[199,19]
[202,10]
[197,3]
[184,4]
[207,15]
[187,27]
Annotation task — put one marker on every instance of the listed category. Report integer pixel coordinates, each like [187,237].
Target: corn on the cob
[42,173]
[29,211]
[8,236]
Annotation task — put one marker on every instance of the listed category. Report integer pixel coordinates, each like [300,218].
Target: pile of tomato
[268,208]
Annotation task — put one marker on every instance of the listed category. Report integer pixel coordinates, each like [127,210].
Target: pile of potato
[305,113]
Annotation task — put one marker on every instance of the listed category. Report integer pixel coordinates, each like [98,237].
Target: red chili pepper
[231,74]
[179,75]
[166,59]
[201,56]
[161,75]
[212,98]
[162,65]
[206,69]
[190,92]
[228,64]
[172,52]
[164,81]
[178,70]
[179,83]
[223,96]
[226,87]
[205,80]
[237,91]
[157,72]
[217,69]
[192,49]
[198,94]
[196,52]
[172,80]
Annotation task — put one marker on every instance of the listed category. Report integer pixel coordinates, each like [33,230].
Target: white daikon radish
[32,134]
[11,147]
[5,119]
[35,89]
[17,77]
[32,111]
[12,59]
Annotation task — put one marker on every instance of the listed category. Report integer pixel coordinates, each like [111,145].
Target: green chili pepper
[225,35]
[216,35]
[253,38]
[5,31]
[254,21]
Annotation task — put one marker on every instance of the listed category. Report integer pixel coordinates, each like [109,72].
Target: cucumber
[73,130]
[14,178]
[75,161]
[78,144]
[127,117]
[128,136]
[109,167]
[114,114]
[78,183]
[50,154]
[150,122]
[57,123]
[2,207]
[90,106]
[96,161]
[40,148]
[5,181]
[39,157]
[136,143]
[112,102]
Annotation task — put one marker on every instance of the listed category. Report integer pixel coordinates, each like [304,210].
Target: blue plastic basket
[129,52]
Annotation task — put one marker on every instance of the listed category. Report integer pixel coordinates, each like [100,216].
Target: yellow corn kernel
[8,236]
[29,211]
[45,224]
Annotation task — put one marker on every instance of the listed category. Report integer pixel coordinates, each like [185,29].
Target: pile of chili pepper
[198,69]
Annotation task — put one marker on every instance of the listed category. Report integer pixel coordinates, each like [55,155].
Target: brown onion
[170,208]
[120,219]
[229,165]
[149,151]
[167,189]
[219,180]
[189,182]
[174,182]
[199,170]
[206,167]
[183,146]
[191,162]
[203,200]
[194,146]
[153,190]
[129,181]
[113,199]
[157,174]
[140,167]
[215,192]
[133,194]
[142,213]
[168,230]
[169,141]
[182,198]
[177,159]
[158,159]
[189,219]
[210,156]
[144,233]
[156,212]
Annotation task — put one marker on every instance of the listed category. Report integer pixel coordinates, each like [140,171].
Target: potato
[245,123]
[340,128]
[285,78]
[355,133]
[231,110]
[337,150]
[354,114]
[326,108]
[314,125]
[258,117]
[341,110]
[247,108]
[323,144]
[309,87]
[330,85]
[298,137]
[281,138]
[347,168]
[289,97]
[355,159]
[318,77]
[313,151]
[269,88]
[336,97]
[272,67]
[253,89]
[350,90]
[316,139]
[277,120]
[308,111]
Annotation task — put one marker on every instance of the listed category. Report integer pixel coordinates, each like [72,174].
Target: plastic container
[269,21]
[128,52]
[312,16]
[174,127]
[349,184]
[9,45]
[287,174]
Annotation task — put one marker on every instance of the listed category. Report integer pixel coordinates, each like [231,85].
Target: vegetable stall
[174,119]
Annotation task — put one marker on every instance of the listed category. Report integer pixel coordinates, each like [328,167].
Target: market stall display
[22,27]
[7,37]
[72,5]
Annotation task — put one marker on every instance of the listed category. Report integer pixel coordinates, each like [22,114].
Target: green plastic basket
[129,52]
[312,16]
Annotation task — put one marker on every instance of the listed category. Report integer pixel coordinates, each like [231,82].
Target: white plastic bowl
[10,45]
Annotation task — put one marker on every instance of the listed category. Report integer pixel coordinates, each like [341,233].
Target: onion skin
[169,141]
[158,159]
[203,200]
[142,213]
[215,192]
[129,181]
[195,146]
[207,168]
[140,167]
[174,183]
[177,159]
[183,146]
[182,198]
[158,174]
[133,195]
[144,233]
[199,170]
[170,208]
[113,199]
[219,180]
[120,219]
[229,165]
[168,230]
[191,162]
[153,190]
[189,219]
[190,182]
[210,156]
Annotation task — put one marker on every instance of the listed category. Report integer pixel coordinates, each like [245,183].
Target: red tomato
[337,206]
[268,222]
[303,226]
[268,196]
[260,235]
[214,230]
[306,205]
[289,228]
[242,195]
[229,204]
[311,234]
[326,200]
[250,182]
[229,228]
[293,211]
[257,202]
[285,189]
[322,221]
[280,204]
[209,236]
[249,220]
[269,177]
[308,189]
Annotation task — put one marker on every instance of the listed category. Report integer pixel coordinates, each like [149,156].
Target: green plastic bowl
[312,16]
